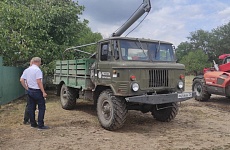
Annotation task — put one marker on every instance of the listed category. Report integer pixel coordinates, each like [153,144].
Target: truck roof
[134,39]
[223,56]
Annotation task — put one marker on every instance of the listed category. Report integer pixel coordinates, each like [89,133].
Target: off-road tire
[68,97]
[202,94]
[111,110]
[165,112]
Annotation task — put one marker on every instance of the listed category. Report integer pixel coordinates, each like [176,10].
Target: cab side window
[227,60]
[104,52]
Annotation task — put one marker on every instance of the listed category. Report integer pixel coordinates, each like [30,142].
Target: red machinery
[225,64]
[216,80]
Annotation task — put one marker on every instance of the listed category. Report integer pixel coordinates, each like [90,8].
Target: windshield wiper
[141,46]
[158,48]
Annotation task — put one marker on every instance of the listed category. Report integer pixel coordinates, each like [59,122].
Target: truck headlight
[180,84]
[135,87]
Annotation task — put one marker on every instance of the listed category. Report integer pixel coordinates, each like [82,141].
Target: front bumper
[161,98]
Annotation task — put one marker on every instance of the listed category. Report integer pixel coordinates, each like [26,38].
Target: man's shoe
[26,122]
[43,128]
[34,126]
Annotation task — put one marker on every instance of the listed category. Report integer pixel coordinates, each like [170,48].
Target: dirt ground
[198,125]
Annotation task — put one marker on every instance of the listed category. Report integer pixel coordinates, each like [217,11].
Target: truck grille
[158,78]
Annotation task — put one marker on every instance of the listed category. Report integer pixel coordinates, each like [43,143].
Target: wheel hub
[64,96]
[106,110]
[198,89]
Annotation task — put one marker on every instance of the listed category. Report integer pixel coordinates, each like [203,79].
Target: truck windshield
[145,51]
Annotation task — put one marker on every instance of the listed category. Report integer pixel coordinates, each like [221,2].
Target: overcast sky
[168,20]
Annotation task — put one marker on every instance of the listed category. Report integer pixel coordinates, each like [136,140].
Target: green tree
[200,40]
[183,49]
[221,39]
[195,62]
[213,43]
[42,28]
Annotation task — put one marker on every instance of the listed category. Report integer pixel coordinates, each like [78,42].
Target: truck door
[104,64]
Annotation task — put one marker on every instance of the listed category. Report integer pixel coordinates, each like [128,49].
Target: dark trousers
[27,114]
[36,98]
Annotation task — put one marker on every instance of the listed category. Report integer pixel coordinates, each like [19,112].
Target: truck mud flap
[161,98]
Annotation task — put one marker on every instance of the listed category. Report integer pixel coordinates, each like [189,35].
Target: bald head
[36,61]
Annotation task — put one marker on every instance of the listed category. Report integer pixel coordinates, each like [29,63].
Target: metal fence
[10,87]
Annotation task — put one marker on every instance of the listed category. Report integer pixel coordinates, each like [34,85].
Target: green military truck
[125,74]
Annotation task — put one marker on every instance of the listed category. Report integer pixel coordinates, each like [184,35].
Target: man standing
[33,76]
[26,114]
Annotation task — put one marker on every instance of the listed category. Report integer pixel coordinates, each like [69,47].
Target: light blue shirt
[31,75]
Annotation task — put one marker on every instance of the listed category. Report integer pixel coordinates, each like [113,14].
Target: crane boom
[145,7]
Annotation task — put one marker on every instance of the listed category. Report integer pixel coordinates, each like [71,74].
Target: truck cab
[132,66]
[225,66]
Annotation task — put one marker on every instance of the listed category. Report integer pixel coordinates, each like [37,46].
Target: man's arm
[40,85]
[23,83]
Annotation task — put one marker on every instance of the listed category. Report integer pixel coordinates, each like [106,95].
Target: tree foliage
[195,62]
[211,43]
[43,28]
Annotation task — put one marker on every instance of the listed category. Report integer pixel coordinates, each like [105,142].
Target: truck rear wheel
[111,110]
[198,86]
[165,112]
[68,97]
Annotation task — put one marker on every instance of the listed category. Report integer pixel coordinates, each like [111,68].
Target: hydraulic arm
[145,7]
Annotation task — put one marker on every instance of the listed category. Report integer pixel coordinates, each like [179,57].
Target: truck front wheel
[68,97]
[111,110]
[165,112]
